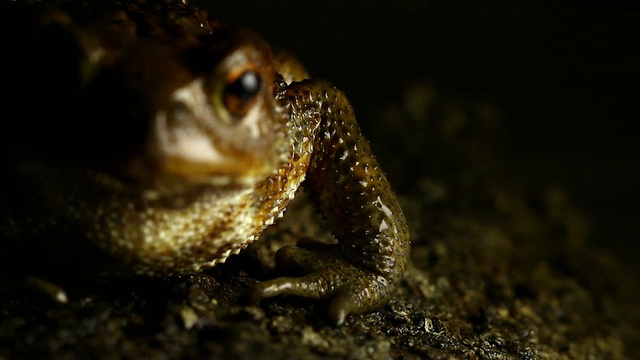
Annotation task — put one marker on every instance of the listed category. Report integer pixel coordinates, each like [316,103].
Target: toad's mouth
[178,172]
[169,179]
[151,185]
[177,191]
[99,184]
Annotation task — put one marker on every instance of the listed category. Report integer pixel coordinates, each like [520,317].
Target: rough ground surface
[496,274]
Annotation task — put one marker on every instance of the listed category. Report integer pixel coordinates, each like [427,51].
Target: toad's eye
[240,92]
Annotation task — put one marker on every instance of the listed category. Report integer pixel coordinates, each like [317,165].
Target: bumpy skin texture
[201,139]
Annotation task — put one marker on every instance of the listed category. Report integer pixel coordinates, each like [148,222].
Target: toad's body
[163,142]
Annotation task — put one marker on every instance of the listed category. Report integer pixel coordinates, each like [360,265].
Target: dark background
[565,78]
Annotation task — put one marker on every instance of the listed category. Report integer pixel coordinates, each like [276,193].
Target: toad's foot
[326,274]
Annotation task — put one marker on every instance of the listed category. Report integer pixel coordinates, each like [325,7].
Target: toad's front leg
[363,269]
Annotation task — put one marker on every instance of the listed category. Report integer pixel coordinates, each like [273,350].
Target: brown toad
[163,142]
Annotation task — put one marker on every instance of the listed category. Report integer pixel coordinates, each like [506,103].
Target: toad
[158,141]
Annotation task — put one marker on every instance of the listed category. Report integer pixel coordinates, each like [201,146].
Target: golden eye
[241,90]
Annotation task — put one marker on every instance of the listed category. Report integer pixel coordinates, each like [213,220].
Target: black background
[565,78]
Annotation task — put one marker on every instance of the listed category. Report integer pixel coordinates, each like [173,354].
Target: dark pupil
[246,86]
